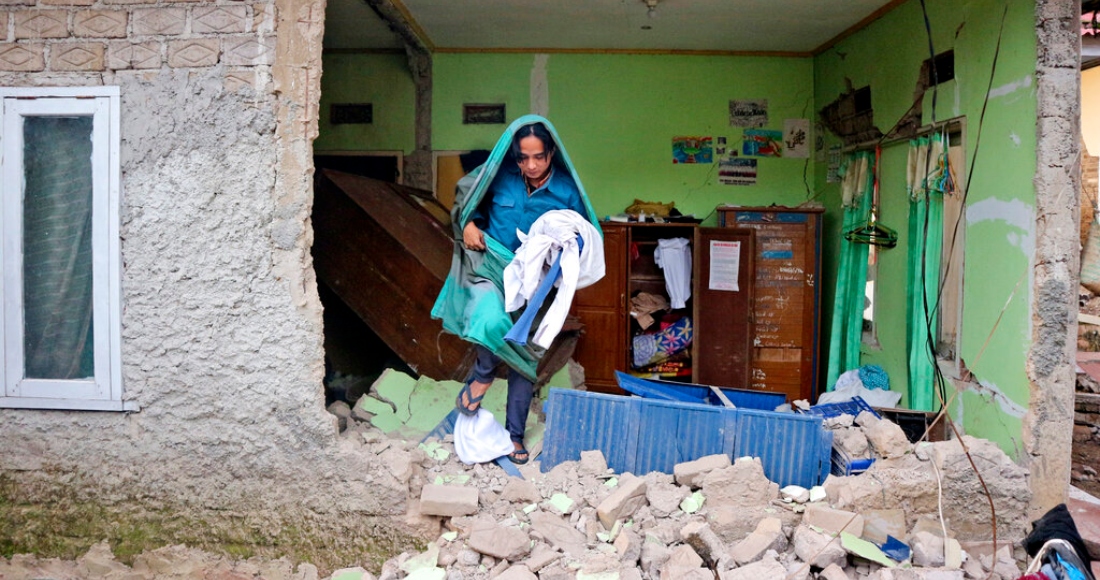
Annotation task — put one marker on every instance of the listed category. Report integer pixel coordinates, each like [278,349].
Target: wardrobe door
[724,283]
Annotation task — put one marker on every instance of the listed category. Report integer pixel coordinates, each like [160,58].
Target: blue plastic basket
[853,407]
[696,393]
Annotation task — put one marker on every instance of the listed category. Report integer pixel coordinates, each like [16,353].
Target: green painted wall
[617,115]
[1000,207]
[380,79]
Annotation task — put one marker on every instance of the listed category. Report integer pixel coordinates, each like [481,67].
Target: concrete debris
[712,516]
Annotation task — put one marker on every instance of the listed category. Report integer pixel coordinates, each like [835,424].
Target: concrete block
[541,556]
[877,524]
[448,500]
[767,536]
[766,568]
[82,56]
[629,547]
[519,572]
[703,540]
[887,439]
[158,21]
[559,533]
[37,23]
[592,463]
[219,19]
[742,484]
[501,542]
[654,555]
[520,491]
[123,54]
[682,562]
[22,57]
[927,550]
[249,50]
[100,24]
[818,549]
[690,473]
[622,503]
[193,52]
[832,572]
[664,498]
[833,520]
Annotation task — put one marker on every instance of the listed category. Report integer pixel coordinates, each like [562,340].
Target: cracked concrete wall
[221,326]
[1048,425]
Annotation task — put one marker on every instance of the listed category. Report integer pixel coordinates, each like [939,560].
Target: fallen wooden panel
[385,250]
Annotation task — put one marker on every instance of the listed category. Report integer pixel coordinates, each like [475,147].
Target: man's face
[533,160]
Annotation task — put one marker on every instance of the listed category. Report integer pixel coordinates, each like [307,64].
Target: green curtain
[858,177]
[927,175]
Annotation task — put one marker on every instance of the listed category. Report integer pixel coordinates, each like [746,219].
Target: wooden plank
[380,278]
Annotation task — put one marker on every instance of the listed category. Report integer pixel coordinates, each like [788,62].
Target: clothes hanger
[872,232]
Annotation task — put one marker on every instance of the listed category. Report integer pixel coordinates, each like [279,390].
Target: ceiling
[723,26]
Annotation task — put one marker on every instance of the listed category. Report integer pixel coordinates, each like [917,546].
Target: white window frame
[103,392]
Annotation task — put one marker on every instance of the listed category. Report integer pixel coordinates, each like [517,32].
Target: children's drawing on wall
[762,143]
[796,138]
[749,113]
[692,150]
[720,148]
[737,171]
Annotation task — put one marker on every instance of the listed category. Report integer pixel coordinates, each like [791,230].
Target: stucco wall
[221,326]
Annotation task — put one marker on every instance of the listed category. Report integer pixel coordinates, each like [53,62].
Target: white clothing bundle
[553,233]
[480,439]
[674,257]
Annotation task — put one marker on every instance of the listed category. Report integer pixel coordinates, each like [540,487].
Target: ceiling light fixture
[652,5]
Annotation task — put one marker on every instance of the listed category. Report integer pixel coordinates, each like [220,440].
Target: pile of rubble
[716,518]
[711,518]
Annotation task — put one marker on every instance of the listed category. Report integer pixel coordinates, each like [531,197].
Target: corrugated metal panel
[788,445]
[580,421]
[697,393]
[676,432]
[641,435]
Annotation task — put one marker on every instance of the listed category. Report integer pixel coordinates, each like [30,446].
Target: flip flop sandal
[472,404]
[519,456]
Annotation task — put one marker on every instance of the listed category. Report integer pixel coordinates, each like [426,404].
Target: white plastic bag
[479,439]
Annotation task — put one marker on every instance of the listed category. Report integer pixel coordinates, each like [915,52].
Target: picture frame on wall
[483,114]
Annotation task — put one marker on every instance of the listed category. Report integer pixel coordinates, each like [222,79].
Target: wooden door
[601,349]
[724,310]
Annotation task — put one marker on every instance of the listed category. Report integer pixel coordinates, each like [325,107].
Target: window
[60,284]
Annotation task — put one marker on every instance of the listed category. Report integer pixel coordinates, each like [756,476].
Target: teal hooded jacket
[471,303]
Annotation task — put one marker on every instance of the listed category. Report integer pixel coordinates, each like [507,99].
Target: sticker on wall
[720,148]
[692,150]
[749,113]
[833,174]
[737,171]
[762,143]
[796,138]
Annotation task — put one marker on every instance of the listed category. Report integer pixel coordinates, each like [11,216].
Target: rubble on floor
[581,521]
[712,518]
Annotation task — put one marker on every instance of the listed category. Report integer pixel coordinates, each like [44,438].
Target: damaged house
[164,364]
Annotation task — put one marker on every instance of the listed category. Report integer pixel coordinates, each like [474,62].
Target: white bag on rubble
[848,386]
[480,438]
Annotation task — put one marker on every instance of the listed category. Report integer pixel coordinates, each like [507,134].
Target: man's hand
[472,237]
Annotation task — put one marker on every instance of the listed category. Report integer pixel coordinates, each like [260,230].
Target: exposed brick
[41,23]
[124,54]
[159,21]
[80,56]
[100,23]
[16,3]
[66,3]
[249,50]
[193,52]
[22,57]
[219,19]
[129,1]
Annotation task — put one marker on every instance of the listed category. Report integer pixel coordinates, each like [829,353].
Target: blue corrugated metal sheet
[640,435]
[696,393]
